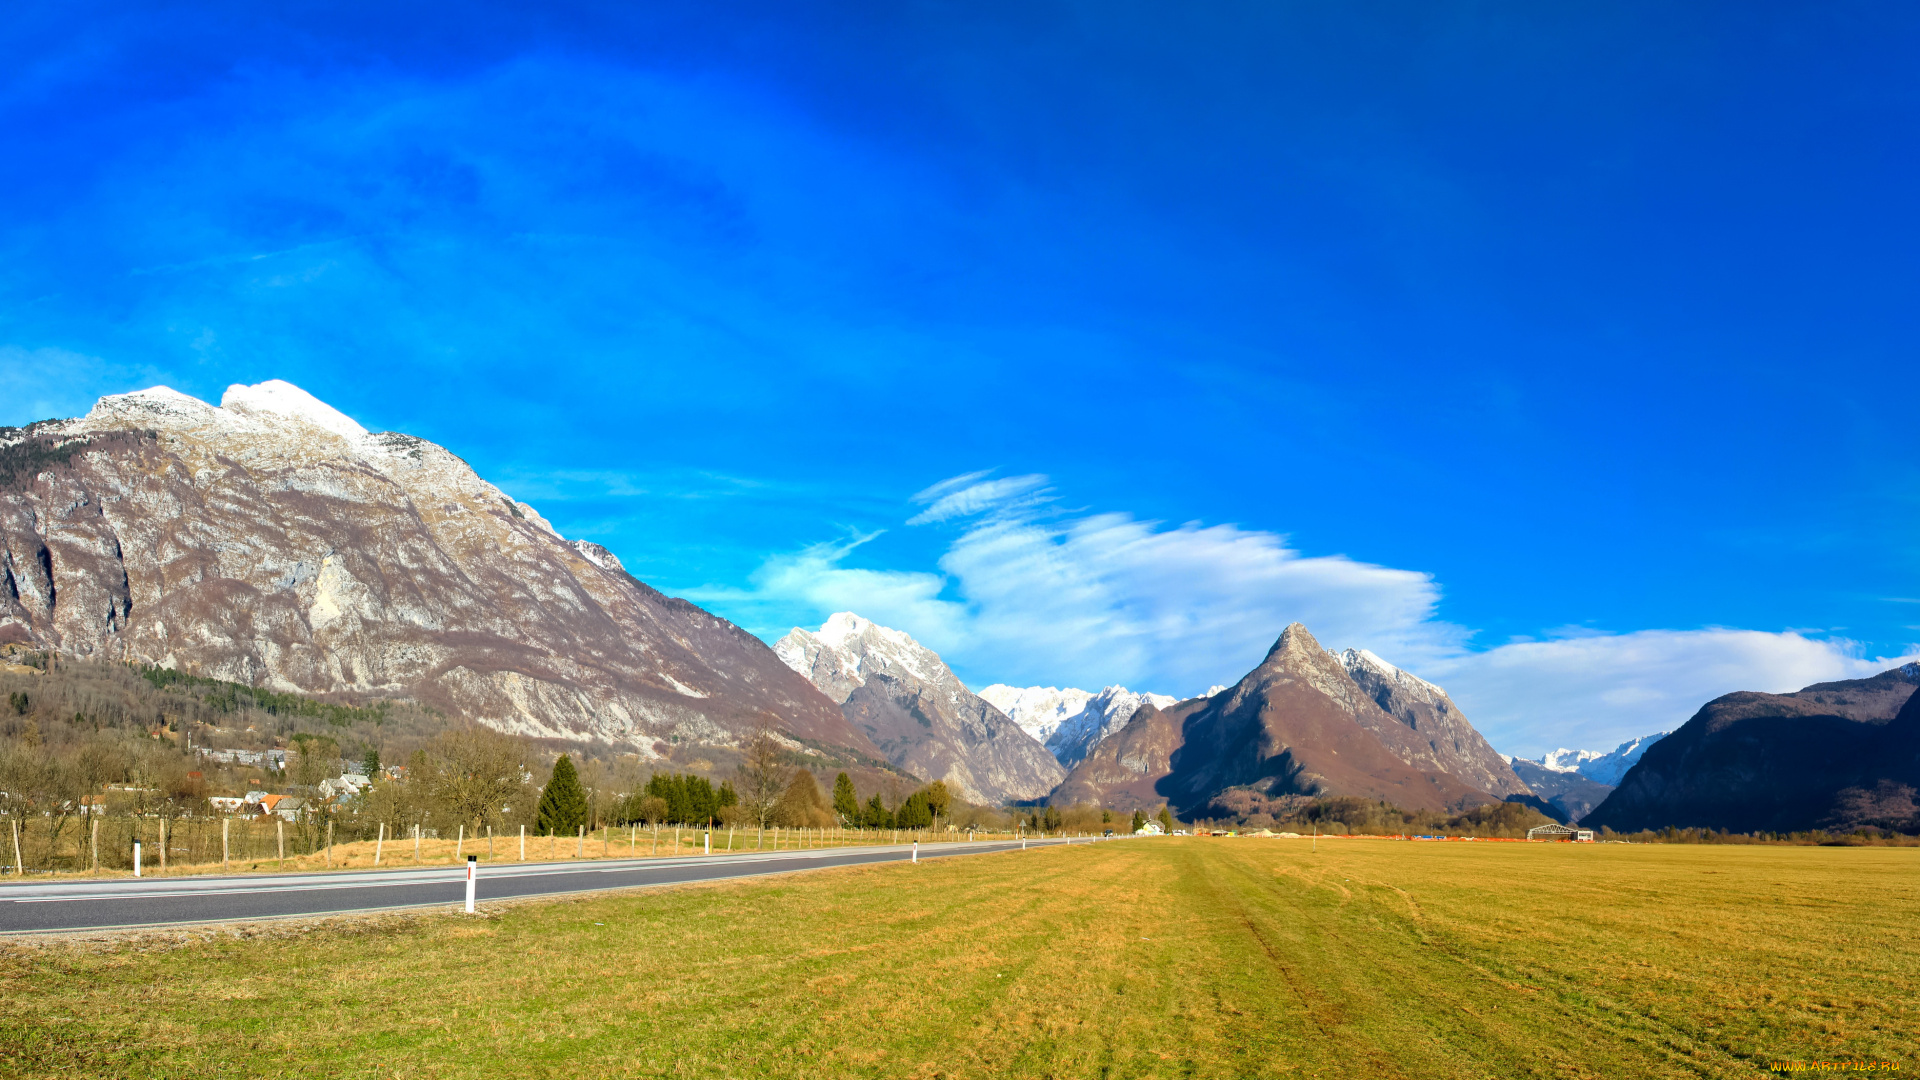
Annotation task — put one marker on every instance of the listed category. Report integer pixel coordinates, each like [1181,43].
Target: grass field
[1152,958]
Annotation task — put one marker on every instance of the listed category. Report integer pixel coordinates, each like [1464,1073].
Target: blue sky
[1562,356]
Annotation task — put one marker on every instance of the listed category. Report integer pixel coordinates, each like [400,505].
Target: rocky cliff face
[1823,757]
[272,541]
[1126,770]
[1452,744]
[1070,723]
[1296,725]
[924,720]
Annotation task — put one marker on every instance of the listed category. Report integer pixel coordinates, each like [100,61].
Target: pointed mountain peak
[1294,639]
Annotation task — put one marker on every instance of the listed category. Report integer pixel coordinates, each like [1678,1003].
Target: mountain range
[1573,782]
[1070,722]
[274,542]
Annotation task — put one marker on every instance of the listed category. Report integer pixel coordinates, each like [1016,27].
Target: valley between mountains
[274,543]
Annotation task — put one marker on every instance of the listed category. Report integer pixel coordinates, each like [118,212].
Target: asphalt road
[50,907]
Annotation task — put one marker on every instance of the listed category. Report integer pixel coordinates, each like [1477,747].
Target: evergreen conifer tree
[1166,821]
[702,802]
[1139,819]
[728,796]
[846,802]
[563,802]
[914,813]
[878,816]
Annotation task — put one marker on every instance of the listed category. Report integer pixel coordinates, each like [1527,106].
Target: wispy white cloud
[965,496]
[1029,594]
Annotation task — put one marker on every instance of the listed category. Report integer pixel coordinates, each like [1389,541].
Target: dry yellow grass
[1162,958]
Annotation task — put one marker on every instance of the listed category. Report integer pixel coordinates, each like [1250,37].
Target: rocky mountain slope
[273,541]
[1834,755]
[1069,723]
[1454,746]
[924,720]
[1296,725]
[1568,794]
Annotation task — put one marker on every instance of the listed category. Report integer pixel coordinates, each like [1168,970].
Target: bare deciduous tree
[763,776]
[477,771]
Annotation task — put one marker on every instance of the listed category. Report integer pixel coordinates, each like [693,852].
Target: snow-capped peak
[870,641]
[1564,760]
[1607,767]
[1039,710]
[1069,722]
[153,403]
[281,398]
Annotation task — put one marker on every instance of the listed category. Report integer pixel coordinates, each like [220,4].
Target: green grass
[1163,958]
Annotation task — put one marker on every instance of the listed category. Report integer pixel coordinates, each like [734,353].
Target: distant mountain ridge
[1070,722]
[1835,755]
[1600,766]
[905,700]
[275,542]
[1568,795]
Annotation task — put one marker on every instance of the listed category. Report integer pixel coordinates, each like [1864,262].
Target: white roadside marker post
[706,841]
[916,851]
[523,843]
[473,862]
[136,858]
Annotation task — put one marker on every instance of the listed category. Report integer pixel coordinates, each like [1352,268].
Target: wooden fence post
[379,842]
[19,862]
[96,841]
[416,843]
[280,839]
[226,824]
[580,838]
[163,844]
[489,843]
[523,843]
[460,844]
[329,843]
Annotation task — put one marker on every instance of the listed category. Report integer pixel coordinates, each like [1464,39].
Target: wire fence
[104,844]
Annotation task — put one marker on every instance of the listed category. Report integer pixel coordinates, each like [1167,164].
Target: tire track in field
[1326,1015]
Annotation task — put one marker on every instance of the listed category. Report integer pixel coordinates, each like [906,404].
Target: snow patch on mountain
[283,399]
[1358,660]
